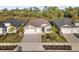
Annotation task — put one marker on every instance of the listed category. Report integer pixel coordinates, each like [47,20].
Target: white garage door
[38,30]
[26,31]
[66,30]
[32,31]
[69,30]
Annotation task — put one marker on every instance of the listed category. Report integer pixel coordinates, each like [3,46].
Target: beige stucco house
[37,26]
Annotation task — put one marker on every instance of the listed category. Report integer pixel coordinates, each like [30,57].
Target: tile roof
[37,22]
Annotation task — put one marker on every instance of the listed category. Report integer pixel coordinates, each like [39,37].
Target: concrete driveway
[32,47]
[71,38]
[32,38]
[32,42]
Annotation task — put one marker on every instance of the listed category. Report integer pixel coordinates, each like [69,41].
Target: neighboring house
[37,26]
[10,25]
[66,26]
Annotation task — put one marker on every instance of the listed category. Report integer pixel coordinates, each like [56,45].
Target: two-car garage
[66,30]
[32,31]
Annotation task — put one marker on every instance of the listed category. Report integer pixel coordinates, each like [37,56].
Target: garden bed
[12,37]
[49,38]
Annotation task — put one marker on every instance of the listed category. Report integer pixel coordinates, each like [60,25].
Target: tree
[72,13]
[54,30]
[52,13]
[5,11]
[36,12]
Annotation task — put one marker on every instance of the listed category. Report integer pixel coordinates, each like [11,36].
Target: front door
[43,29]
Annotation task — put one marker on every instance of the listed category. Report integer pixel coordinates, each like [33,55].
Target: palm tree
[54,30]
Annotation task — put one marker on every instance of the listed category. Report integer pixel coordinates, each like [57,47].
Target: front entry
[43,29]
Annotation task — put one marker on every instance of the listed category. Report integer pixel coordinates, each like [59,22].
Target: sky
[21,7]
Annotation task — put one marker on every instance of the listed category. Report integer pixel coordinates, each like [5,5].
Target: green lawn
[50,38]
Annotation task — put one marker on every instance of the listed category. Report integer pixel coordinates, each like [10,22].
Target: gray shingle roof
[13,21]
[1,24]
[62,22]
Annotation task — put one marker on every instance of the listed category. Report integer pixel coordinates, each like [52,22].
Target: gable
[66,25]
[30,27]
[44,24]
[7,24]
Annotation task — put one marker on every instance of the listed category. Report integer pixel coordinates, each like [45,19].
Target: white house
[69,30]
[37,26]
[76,23]
[10,25]
[66,26]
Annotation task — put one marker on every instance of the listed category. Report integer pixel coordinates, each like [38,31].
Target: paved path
[71,38]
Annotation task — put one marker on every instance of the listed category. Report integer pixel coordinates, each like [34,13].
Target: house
[66,26]
[37,26]
[10,25]
[77,23]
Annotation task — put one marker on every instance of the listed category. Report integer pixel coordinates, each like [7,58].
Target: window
[43,29]
[48,29]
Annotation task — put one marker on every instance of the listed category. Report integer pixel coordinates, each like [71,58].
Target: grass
[50,38]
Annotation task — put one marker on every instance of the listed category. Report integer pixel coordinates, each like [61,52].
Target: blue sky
[13,7]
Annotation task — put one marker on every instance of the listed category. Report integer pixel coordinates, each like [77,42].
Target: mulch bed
[8,47]
[57,47]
